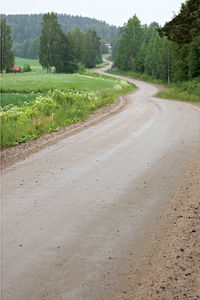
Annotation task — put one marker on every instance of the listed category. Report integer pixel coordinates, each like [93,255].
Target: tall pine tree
[92,49]
[129,45]
[7,57]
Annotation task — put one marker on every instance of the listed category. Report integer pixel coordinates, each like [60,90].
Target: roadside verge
[14,154]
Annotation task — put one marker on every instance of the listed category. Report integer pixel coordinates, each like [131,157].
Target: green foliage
[184,27]
[194,59]
[16,99]
[28,49]
[26,30]
[86,47]
[129,45]
[56,49]
[109,58]
[92,49]
[81,68]
[25,26]
[78,41]
[69,59]
[186,91]
[141,49]
[50,41]
[65,51]
[26,68]
[6,55]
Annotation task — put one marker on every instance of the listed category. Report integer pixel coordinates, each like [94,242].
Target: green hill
[26,29]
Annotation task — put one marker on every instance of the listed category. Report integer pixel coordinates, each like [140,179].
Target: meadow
[34,63]
[35,102]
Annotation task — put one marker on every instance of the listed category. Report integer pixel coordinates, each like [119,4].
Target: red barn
[16,69]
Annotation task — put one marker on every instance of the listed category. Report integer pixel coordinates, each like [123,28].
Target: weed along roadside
[184,91]
[63,99]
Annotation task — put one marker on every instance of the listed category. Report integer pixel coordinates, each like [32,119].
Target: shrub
[81,68]
[26,68]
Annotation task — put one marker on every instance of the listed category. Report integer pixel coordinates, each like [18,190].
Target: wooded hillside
[26,29]
[171,53]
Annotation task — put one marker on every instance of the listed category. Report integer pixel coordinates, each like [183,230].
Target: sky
[114,12]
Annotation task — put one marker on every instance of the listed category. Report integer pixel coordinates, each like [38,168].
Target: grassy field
[34,63]
[42,82]
[39,81]
[35,103]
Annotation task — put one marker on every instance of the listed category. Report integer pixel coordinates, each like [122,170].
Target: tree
[30,48]
[7,57]
[194,58]
[49,41]
[129,45]
[184,31]
[78,41]
[65,61]
[184,27]
[92,49]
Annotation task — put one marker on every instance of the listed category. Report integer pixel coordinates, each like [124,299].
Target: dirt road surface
[79,217]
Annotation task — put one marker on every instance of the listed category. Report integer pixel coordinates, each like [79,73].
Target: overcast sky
[116,12]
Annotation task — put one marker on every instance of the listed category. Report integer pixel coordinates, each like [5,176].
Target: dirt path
[84,217]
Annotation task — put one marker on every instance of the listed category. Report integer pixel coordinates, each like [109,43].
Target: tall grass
[186,91]
[48,113]
[183,91]
[16,99]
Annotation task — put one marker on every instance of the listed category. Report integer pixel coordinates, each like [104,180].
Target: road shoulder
[171,269]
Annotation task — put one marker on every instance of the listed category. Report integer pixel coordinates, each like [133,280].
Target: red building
[16,69]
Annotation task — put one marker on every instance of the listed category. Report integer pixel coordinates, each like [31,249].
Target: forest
[26,29]
[171,53]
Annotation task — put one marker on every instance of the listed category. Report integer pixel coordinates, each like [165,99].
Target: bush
[26,68]
[81,68]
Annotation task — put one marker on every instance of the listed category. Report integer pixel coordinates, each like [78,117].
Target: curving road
[78,215]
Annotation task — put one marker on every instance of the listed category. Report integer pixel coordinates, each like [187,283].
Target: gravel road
[79,216]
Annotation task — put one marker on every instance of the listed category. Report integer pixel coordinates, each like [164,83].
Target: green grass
[186,91]
[100,65]
[34,64]
[39,80]
[42,82]
[183,91]
[109,58]
[16,99]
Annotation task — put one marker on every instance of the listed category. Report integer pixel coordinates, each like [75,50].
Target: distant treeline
[26,29]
